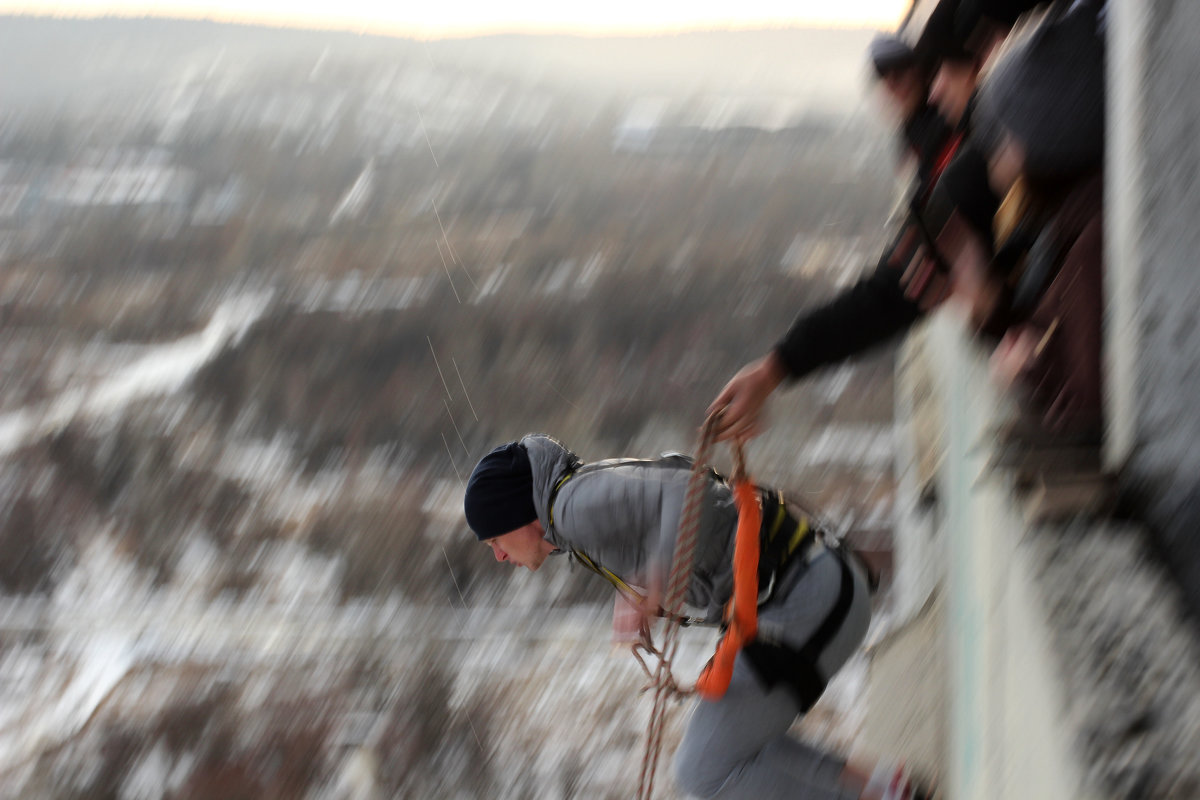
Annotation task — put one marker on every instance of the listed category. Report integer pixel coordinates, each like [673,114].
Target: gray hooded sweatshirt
[625,517]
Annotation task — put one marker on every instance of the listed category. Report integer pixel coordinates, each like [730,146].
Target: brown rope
[661,679]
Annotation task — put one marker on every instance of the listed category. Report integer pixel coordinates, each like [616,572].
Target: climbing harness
[768,538]
[766,541]
[796,668]
[742,613]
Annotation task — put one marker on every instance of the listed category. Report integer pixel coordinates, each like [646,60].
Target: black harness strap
[796,668]
[837,615]
[782,538]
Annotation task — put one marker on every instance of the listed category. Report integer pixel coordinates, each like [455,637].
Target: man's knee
[697,773]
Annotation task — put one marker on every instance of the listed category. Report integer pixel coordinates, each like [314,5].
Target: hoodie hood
[550,461]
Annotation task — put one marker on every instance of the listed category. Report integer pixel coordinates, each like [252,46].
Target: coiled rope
[741,616]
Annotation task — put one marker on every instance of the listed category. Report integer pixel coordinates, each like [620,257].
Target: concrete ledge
[1071,668]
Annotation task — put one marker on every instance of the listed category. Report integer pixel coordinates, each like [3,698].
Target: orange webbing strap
[742,612]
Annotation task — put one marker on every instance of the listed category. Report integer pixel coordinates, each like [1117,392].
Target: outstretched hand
[634,615]
[630,621]
[1013,355]
[741,402]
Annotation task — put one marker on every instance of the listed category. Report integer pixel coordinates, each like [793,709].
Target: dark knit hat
[1005,13]
[890,53]
[1047,92]
[938,40]
[499,496]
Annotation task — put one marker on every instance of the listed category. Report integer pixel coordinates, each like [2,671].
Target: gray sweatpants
[738,747]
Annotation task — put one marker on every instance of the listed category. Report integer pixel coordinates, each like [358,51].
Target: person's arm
[1056,355]
[867,314]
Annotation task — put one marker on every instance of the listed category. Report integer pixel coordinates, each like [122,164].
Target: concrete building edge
[1123,224]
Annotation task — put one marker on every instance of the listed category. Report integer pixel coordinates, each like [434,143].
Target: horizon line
[392,31]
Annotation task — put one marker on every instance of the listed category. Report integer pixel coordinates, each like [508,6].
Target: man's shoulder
[674,461]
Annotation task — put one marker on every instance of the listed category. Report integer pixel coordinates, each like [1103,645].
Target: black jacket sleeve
[878,307]
[867,314]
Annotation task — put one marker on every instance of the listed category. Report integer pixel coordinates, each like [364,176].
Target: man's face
[903,92]
[524,547]
[951,89]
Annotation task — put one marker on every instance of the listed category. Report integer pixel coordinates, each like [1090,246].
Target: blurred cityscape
[266,296]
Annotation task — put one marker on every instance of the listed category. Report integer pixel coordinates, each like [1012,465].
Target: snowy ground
[116,684]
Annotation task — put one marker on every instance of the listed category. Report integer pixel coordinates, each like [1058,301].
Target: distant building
[637,130]
[121,178]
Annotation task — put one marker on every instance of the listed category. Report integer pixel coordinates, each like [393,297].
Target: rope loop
[662,681]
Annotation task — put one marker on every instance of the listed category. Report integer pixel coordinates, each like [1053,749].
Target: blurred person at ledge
[1043,112]
[1042,134]
[959,218]
[904,78]
[905,285]
[533,499]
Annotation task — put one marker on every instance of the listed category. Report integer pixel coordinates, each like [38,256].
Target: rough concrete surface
[906,712]
[1129,660]
[1156,175]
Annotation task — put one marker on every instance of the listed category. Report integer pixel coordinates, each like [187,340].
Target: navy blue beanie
[499,496]
[890,53]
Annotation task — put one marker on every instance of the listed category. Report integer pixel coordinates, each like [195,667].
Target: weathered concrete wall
[1007,737]
[907,703]
[1125,654]
[907,707]
[1153,198]
[1071,669]
[919,560]
[1055,659]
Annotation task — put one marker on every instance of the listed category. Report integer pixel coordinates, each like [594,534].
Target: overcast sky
[435,18]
